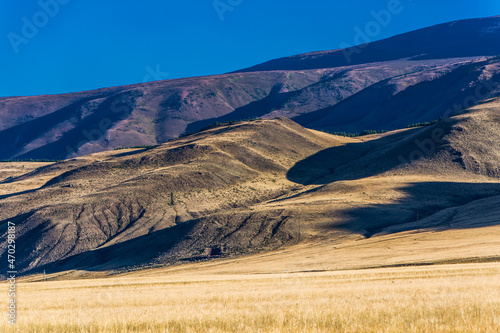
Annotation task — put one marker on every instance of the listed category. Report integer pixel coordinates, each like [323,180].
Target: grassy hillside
[250,187]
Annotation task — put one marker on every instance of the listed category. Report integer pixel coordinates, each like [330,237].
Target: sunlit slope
[254,187]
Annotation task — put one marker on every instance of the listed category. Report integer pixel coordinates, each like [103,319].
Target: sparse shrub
[426,123]
[134,147]
[220,124]
[368,132]
[355,134]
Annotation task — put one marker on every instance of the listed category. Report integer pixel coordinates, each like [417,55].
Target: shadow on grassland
[442,205]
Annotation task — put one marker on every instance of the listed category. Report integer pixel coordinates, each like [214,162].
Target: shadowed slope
[477,37]
[109,198]
[252,187]
[456,143]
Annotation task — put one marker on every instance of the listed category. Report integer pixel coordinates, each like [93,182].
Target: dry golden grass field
[309,287]
[438,298]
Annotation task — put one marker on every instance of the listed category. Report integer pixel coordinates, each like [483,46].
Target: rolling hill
[258,186]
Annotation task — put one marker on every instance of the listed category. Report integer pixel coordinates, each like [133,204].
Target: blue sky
[81,45]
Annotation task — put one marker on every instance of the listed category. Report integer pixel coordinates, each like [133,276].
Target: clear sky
[86,44]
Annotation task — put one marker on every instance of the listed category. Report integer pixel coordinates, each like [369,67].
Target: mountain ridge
[414,49]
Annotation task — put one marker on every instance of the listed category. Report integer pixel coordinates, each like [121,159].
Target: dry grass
[16,169]
[257,186]
[444,298]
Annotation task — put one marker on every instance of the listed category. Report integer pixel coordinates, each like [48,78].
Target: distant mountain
[464,38]
[414,77]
